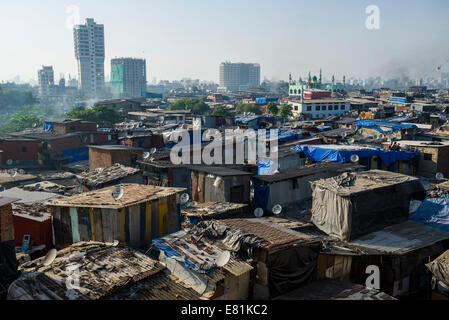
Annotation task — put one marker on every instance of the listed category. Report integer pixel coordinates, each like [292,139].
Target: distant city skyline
[189,39]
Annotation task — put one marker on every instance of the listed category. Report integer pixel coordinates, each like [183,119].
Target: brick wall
[18,150]
[74,127]
[99,158]
[6,223]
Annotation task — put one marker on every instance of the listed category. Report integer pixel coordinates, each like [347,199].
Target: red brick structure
[20,150]
[6,219]
[107,155]
[72,125]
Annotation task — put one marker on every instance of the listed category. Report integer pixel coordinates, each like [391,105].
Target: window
[296,108]
[324,108]
[291,91]
[24,149]
[294,183]
[309,108]
[296,91]
[330,107]
[317,108]
[428,156]
[342,107]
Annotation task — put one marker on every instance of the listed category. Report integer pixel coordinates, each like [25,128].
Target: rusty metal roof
[133,194]
[274,234]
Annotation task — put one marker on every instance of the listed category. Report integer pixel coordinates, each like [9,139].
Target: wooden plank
[163,217]
[174,223]
[155,219]
[57,227]
[92,223]
[75,226]
[122,225]
[66,226]
[98,225]
[126,226]
[148,222]
[83,224]
[134,226]
[108,225]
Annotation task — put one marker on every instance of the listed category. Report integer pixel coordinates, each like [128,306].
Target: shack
[283,259]
[354,204]
[399,251]
[113,175]
[331,289]
[8,262]
[220,184]
[141,214]
[197,261]
[292,186]
[195,212]
[12,178]
[440,276]
[107,155]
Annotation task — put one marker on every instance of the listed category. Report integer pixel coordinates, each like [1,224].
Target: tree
[220,111]
[286,111]
[23,122]
[248,108]
[104,116]
[194,105]
[272,108]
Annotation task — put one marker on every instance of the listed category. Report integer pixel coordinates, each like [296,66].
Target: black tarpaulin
[8,265]
[291,268]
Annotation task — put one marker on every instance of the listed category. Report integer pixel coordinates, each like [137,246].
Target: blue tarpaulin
[265,167]
[375,125]
[317,154]
[266,100]
[433,212]
[75,155]
[261,195]
[48,126]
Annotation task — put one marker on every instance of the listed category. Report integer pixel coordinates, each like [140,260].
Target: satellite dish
[258,212]
[9,162]
[184,198]
[13,173]
[146,155]
[355,158]
[80,189]
[117,193]
[344,134]
[439,176]
[37,185]
[49,257]
[115,243]
[34,125]
[223,259]
[153,150]
[277,209]
[217,182]
[351,141]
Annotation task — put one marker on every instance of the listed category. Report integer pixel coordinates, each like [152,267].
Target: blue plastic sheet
[375,125]
[266,167]
[433,212]
[261,195]
[317,154]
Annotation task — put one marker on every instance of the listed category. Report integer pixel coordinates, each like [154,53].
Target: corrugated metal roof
[273,234]
[400,238]
[86,270]
[133,194]
[210,208]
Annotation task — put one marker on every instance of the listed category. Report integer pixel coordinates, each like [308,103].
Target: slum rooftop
[102,269]
[308,170]
[6,176]
[366,181]
[104,175]
[115,147]
[133,194]
[223,171]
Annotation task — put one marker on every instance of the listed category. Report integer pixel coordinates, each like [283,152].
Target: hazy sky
[189,38]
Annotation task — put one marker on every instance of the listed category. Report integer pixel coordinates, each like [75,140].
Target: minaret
[310,78]
[344,80]
[290,78]
[321,76]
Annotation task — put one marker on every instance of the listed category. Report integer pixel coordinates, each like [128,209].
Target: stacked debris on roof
[35,210]
[330,289]
[48,186]
[440,268]
[213,210]
[132,194]
[355,204]
[83,271]
[102,176]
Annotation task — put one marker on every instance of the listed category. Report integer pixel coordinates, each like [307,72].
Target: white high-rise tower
[90,54]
